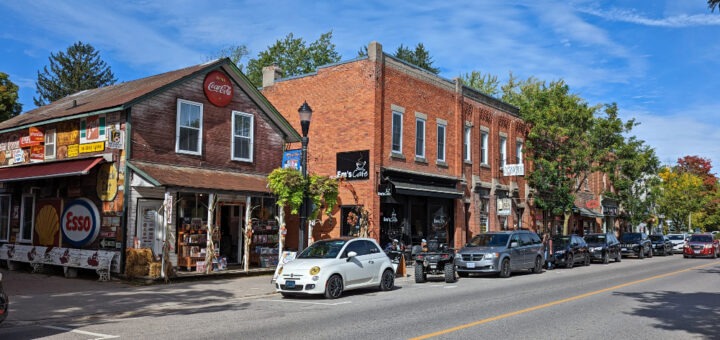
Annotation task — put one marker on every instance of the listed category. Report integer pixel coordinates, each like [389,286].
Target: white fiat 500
[332,266]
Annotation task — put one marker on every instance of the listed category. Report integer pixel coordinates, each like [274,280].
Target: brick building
[424,156]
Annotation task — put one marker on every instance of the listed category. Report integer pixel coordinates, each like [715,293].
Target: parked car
[661,245]
[332,266]
[4,301]
[603,247]
[569,250]
[701,245]
[678,241]
[636,244]
[501,252]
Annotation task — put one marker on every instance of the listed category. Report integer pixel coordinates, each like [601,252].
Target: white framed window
[27,217]
[519,152]
[5,217]
[466,143]
[50,144]
[441,128]
[397,128]
[189,131]
[483,147]
[420,137]
[242,136]
[503,151]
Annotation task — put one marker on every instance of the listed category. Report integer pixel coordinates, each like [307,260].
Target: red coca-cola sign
[218,88]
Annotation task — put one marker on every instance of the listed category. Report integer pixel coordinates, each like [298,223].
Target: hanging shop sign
[385,189]
[218,88]
[93,129]
[292,159]
[353,165]
[80,222]
[107,186]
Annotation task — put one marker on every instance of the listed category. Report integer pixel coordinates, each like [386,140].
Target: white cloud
[632,16]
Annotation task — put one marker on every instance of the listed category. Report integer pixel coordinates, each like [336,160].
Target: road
[659,298]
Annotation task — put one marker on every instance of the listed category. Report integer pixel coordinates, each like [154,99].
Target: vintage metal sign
[80,222]
[218,88]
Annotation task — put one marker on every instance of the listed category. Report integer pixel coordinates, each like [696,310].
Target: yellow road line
[550,304]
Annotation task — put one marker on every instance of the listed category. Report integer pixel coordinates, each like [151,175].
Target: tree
[9,106]
[700,167]
[419,57]
[79,68]
[713,4]
[293,57]
[236,54]
[484,83]
[680,196]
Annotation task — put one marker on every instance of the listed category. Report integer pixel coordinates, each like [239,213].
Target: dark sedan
[569,250]
[603,247]
[661,245]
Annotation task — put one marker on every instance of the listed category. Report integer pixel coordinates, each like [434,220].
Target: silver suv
[501,252]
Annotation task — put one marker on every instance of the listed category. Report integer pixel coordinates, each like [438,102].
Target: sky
[657,59]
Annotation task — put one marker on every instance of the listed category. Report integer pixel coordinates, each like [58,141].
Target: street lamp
[305,115]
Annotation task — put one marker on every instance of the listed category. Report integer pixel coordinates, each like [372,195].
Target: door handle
[371,262]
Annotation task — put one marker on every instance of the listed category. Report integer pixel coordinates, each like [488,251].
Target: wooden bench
[104,262]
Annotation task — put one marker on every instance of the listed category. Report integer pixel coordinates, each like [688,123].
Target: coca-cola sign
[218,88]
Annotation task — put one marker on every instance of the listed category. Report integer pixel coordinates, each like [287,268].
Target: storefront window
[4,217]
[350,220]
[27,217]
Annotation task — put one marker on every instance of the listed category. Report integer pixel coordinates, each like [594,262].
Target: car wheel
[449,272]
[685,256]
[419,274]
[641,254]
[538,265]
[333,287]
[387,282]
[605,258]
[672,252]
[619,257]
[463,274]
[650,253]
[587,260]
[504,268]
[569,261]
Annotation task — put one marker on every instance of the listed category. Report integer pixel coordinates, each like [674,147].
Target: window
[242,136]
[4,217]
[466,143]
[27,218]
[483,147]
[519,152]
[503,151]
[441,143]
[50,144]
[420,137]
[189,127]
[397,131]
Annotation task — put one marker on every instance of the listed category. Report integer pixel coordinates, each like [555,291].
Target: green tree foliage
[9,106]
[235,53]
[79,68]
[485,83]
[713,4]
[288,185]
[293,56]
[680,196]
[419,57]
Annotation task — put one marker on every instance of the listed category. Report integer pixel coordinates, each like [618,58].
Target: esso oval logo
[80,222]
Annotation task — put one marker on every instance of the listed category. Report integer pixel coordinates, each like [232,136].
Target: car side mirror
[513,244]
[350,255]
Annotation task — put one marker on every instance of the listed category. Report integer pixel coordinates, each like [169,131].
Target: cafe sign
[218,88]
[80,222]
[353,165]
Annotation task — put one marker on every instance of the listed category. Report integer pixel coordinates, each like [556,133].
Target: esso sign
[80,222]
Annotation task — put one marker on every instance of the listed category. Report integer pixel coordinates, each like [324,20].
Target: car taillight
[444,256]
[420,257]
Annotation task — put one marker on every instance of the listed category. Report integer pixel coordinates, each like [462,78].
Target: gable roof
[122,96]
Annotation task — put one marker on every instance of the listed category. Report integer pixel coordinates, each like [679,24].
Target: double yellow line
[553,303]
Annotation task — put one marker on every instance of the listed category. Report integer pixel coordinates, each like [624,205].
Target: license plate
[433,266]
[289,284]
[697,252]
[471,265]
[624,249]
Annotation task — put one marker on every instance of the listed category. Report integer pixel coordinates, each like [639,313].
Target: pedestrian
[547,250]
[423,245]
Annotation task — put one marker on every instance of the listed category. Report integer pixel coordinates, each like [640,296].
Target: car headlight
[491,255]
[559,252]
[596,249]
[314,270]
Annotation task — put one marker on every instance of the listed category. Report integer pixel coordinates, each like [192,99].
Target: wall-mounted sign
[107,186]
[47,222]
[592,204]
[73,150]
[92,129]
[3,143]
[117,138]
[26,142]
[514,170]
[36,134]
[13,142]
[291,159]
[218,88]
[80,222]
[92,147]
[385,189]
[18,156]
[353,165]
[503,206]
[37,153]
[67,134]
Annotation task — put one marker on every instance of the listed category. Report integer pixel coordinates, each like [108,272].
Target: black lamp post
[305,115]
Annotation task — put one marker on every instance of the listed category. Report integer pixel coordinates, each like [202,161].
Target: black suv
[603,247]
[568,250]
[661,244]
[636,244]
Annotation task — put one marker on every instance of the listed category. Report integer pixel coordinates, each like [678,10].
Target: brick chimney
[270,73]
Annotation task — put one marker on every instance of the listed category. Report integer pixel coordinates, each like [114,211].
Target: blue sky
[658,60]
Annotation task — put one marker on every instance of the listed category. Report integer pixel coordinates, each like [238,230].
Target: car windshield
[489,240]
[700,238]
[676,237]
[595,238]
[656,238]
[559,242]
[631,237]
[326,249]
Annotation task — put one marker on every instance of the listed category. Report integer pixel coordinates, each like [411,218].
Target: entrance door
[231,233]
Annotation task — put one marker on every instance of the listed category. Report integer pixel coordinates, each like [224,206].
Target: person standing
[547,249]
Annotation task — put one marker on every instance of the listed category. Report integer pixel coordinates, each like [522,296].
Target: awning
[406,188]
[587,212]
[189,177]
[74,167]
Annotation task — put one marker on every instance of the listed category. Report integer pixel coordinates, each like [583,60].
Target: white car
[678,241]
[332,266]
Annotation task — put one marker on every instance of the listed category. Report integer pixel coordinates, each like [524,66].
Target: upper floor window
[420,137]
[4,217]
[466,143]
[189,127]
[27,217]
[397,127]
[50,144]
[503,151]
[519,152]
[441,142]
[483,147]
[242,136]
